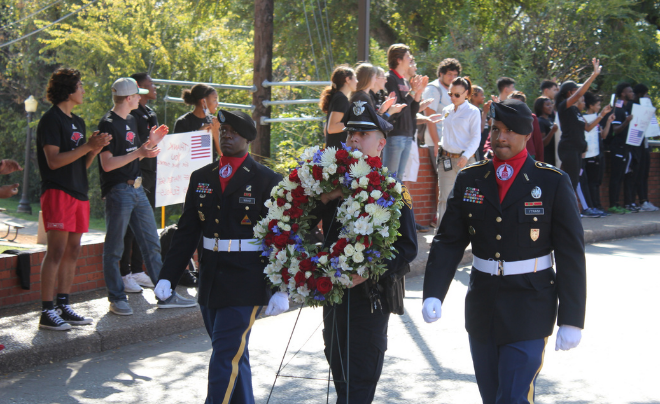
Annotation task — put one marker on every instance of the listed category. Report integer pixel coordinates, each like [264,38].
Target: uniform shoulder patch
[407,199]
[547,166]
[477,164]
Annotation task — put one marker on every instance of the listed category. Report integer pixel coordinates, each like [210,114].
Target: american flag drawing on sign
[635,136]
[200,146]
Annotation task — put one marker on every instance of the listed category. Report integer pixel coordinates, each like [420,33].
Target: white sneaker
[130,286]
[142,279]
[649,207]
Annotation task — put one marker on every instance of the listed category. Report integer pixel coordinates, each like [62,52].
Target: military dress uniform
[232,286]
[511,304]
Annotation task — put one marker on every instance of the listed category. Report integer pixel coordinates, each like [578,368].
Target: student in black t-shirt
[131,262]
[205,100]
[572,143]
[63,156]
[126,203]
[334,102]
[544,110]
[595,166]
[620,155]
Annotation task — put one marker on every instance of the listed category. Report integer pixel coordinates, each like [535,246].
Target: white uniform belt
[512,267]
[215,244]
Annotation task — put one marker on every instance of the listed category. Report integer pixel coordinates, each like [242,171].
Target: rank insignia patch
[473,195]
[534,203]
[248,188]
[534,234]
[407,199]
[246,221]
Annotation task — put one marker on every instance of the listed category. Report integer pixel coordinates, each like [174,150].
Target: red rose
[324,285]
[311,283]
[374,178]
[386,196]
[339,247]
[272,224]
[317,173]
[371,200]
[300,278]
[306,265]
[285,275]
[341,155]
[374,162]
[269,239]
[280,241]
[341,170]
[294,228]
[293,176]
[281,202]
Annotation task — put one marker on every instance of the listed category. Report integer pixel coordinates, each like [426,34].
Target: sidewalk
[26,346]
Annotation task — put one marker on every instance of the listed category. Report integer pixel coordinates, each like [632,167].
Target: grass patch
[4,248]
[11,204]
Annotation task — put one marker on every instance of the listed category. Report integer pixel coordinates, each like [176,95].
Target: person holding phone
[205,100]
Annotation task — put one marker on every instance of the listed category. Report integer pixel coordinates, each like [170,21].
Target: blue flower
[370,259]
[376,254]
[315,260]
[319,297]
[338,274]
[276,230]
[343,146]
[317,157]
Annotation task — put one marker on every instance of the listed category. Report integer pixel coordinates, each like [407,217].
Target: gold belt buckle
[229,246]
[137,183]
[215,247]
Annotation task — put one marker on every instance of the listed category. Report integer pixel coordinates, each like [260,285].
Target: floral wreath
[368,214]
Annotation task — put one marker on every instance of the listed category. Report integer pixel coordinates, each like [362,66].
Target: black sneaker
[50,320]
[632,208]
[421,228]
[188,279]
[67,314]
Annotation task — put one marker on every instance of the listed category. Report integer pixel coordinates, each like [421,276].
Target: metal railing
[268,121]
[267,83]
[178,100]
[291,102]
[251,88]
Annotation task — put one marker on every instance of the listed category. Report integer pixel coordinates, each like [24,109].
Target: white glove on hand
[163,289]
[568,337]
[278,304]
[432,309]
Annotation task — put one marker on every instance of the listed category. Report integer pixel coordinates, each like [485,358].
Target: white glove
[432,309]
[568,337]
[163,289]
[278,304]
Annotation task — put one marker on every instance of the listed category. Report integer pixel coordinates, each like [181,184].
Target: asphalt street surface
[425,363]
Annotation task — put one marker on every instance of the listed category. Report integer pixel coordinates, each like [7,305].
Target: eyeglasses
[456,94]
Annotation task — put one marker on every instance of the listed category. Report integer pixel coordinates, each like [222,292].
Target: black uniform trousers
[595,168]
[571,163]
[619,160]
[346,345]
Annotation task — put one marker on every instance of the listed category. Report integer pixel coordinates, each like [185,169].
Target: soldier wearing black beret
[515,212]
[223,203]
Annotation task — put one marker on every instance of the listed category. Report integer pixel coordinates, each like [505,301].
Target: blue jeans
[395,154]
[127,206]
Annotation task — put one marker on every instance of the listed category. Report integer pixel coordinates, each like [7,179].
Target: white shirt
[441,99]
[461,129]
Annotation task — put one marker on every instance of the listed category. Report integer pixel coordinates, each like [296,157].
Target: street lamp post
[24,204]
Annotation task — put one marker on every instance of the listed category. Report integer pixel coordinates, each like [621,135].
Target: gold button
[217,221]
[218,206]
[200,205]
[247,208]
[552,282]
[469,214]
[498,219]
[498,237]
[497,255]
[215,235]
[536,220]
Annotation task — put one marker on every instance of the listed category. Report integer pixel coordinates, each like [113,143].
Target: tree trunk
[263,70]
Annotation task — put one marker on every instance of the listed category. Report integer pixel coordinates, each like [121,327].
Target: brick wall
[424,192]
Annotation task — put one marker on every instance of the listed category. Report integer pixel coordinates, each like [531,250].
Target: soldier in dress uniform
[223,203]
[364,313]
[515,211]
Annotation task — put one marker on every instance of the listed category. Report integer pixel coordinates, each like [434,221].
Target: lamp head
[31,104]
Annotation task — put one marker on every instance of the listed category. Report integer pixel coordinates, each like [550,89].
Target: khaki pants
[446,181]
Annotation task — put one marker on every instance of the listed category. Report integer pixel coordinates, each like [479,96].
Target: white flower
[380,215]
[273,192]
[286,227]
[280,192]
[308,274]
[344,280]
[308,154]
[359,169]
[359,247]
[289,197]
[276,279]
[332,168]
[328,157]
[384,232]
[349,250]
[285,218]
[293,266]
[361,270]
[389,179]
[363,226]
[384,170]
[353,209]
[268,203]
[376,194]
[363,196]
[326,176]
[303,290]
[356,154]
[287,205]
[364,181]
[282,256]
[358,257]
[354,184]
[397,188]
[288,184]
[323,260]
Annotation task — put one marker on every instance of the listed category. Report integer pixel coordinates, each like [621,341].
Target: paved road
[616,362]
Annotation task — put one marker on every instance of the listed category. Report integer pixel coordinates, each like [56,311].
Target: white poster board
[591,137]
[180,155]
[653,130]
[641,119]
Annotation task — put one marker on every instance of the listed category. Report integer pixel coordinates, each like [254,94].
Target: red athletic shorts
[63,212]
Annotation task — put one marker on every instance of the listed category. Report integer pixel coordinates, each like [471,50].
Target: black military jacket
[226,278]
[514,307]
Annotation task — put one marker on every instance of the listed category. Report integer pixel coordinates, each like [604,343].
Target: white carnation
[389,179]
[359,247]
[285,218]
[286,227]
[358,257]
[349,250]
[363,196]
[332,168]
[323,260]
[397,188]
[364,181]
[354,184]
[376,194]
[356,154]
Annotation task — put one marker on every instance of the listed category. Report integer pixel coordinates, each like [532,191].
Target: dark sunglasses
[456,94]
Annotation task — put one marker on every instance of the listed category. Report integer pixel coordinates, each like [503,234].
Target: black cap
[241,122]
[515,114]
[363,118]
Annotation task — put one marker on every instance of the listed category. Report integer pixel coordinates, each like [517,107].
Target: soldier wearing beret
[515,211]
[365,311]
[223,203]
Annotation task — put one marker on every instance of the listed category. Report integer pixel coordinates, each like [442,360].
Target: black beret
[241,122]
[515,114]
[363,118]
